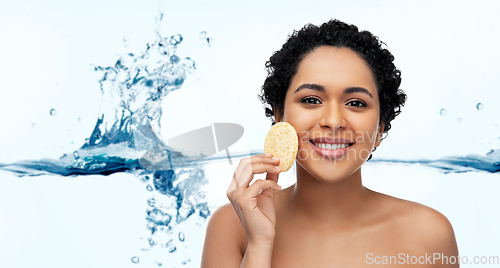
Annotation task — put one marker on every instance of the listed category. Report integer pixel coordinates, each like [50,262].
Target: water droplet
[209,41]
[159,264]
[188,64]
[203,34]
[53,112]
[79,119]
[149,188]
[188,259]
[33,125]
[490,152]
[181,236]
[172,249]
[459,120]
[479,106]
[183,262]
[135,259]
[174,59]
[442,112]
[204,212]
[175,39]
[145,179]
[151,202]
[76,155]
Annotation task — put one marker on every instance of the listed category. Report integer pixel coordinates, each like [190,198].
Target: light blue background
[447,51]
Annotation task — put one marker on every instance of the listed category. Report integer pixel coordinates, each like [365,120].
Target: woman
[339,89]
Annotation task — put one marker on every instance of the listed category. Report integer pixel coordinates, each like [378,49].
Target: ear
[379,134]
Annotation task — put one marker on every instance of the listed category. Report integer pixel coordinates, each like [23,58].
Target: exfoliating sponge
[282,142]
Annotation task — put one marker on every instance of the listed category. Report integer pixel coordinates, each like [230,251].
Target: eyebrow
[348,90]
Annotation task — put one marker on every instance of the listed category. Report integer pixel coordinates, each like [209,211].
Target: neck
[342,202]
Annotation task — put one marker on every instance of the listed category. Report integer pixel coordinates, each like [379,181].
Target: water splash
[457,164]
[128,125]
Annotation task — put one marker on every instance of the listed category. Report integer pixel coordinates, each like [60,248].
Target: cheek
[302,154]
[368,120]
[365,128]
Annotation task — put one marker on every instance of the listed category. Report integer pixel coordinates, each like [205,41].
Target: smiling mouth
[330,146]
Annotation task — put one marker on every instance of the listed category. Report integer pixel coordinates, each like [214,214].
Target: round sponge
[282,142]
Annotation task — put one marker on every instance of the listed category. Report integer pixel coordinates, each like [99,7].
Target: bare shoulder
[224,239]
[428,229]
[433,229]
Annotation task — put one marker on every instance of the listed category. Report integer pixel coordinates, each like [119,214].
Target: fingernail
[274,158]
[268,154]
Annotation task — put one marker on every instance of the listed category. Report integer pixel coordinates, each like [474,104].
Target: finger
[244,162]
[246,176]
[235,187]
[268,193]
[249,166]
[263,158]
[254,190]
[273,176]
[243,174]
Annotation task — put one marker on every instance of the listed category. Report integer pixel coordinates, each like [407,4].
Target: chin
[328,174]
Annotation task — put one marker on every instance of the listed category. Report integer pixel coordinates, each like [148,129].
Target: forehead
[336,68]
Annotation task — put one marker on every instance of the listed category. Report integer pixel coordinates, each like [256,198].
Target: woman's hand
[254,203]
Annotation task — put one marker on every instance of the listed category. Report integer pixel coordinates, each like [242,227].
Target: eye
[310,100]
[356,103]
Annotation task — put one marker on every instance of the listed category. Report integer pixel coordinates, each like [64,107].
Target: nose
[332,117]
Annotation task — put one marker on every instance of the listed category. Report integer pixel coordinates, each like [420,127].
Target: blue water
[457,164]
[128,125]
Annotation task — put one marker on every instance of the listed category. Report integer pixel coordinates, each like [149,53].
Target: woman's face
[333,104]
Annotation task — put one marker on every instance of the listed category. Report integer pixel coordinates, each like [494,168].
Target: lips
[331,140]
[331,147]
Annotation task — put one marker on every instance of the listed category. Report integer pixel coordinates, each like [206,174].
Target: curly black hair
[283,64]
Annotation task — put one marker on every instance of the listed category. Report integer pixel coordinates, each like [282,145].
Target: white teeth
[329,146]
